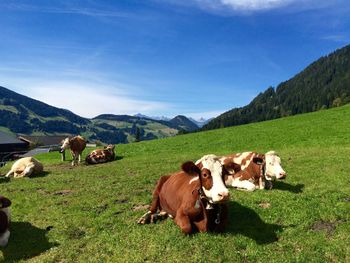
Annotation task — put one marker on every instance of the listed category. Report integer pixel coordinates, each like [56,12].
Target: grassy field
[89,213]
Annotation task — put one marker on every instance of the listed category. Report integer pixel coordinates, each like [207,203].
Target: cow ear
[258,160]
[4,202]
[190,168]
[231,166]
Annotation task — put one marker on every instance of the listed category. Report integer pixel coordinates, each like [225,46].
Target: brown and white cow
[194,197]
[257,170]
[5,218]
[101,155]
[25,166]
[76,145]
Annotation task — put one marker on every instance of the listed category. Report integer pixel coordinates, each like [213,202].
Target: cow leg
[28,170]
[10,173]
[74,156]
[151,215]
[79,158]
[261,183]
[63,156]
[183,222]
[244,184]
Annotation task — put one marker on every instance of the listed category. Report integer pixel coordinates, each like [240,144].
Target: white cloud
[229,7]
[87,100]
[248,5]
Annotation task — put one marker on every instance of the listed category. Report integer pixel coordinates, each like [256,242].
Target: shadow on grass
[42,174]
[26,241]
[246,222]
[4,179]
[117,158]
[298,188]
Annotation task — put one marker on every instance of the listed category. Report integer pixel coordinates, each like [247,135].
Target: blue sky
[199,58]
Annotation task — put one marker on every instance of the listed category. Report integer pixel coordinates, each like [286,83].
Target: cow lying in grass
[257,171]
[194,197]
[101,155]
[25,167]
[5,218]
[76,145]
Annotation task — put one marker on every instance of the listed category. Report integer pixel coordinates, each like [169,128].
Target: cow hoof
[145,219]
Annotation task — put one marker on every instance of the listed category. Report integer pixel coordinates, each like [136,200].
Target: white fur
[193,179]
[273,166]
[245,184]
[212,163]
[25,167]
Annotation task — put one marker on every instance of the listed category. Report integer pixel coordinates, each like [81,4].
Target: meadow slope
[89,213]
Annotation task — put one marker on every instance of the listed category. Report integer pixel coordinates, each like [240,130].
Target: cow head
[212,179]
[65,145]
[110,148]
[274,169]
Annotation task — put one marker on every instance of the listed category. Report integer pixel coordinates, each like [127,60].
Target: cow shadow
[26,241]
[117,158]
[298,188]
[4,179]
[42,174]
[245,221]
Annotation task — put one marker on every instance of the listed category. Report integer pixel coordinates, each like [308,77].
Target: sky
[197,58]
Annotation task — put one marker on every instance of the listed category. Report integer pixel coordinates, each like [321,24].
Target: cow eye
[205,175]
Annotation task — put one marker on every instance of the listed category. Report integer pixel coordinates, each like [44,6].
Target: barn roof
[8,139]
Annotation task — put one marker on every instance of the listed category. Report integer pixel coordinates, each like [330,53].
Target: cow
[76,145]
[101,155]
[5,218]
[257,171]
[25,167]
[194,197]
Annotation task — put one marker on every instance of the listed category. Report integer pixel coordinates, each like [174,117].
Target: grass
[89,213]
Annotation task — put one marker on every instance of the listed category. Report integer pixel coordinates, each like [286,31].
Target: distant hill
[24,115]
[184,123]
[323,84]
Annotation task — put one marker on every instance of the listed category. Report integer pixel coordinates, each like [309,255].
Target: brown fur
[101,155]
[179,197]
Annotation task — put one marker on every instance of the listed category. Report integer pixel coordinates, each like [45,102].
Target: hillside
[23,115]
[303,218]
[322,85]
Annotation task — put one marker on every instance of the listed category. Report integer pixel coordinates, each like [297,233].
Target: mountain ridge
[323,84]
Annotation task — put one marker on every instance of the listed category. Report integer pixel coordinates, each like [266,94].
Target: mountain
[184,123]
[157,118]
[323,84]
[24,115]
[201,122]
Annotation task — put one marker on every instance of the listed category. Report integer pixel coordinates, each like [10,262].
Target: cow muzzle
[223,196]
[282,175]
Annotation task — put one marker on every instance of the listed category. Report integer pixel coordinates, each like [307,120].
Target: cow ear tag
[197,204]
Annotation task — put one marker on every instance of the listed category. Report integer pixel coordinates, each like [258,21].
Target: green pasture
[89,213]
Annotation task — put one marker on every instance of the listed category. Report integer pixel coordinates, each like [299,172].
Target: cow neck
[263,170]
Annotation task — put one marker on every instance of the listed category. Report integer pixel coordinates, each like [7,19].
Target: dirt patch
[140,207]
[346,199]
[121,201]
[63,192]
[329,227]
[264,205]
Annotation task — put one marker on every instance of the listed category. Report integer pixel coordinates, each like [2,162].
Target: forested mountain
[182,122]
[23,115]
[323,84]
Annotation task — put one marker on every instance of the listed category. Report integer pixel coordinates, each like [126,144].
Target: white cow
[25,167]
